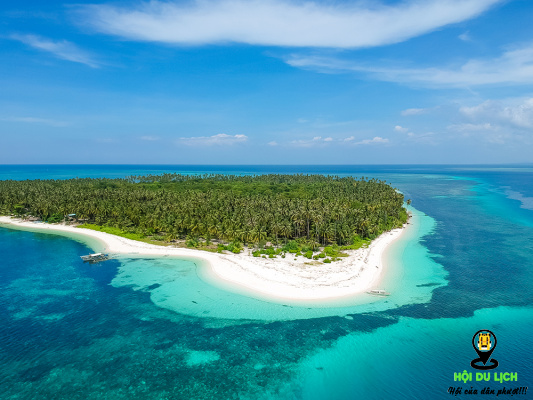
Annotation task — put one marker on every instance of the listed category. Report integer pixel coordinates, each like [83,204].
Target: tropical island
[297,223]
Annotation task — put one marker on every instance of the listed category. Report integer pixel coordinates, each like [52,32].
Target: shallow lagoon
[188,287]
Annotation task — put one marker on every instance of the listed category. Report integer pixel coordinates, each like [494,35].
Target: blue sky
[266,82]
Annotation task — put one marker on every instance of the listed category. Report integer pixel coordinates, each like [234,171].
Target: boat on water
[378,292]
[94,258]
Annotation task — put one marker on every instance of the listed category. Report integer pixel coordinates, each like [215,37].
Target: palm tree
[246,207]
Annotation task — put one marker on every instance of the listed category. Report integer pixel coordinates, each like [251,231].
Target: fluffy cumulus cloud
[375,140]
[279,22]
[220,139]
[512,67]
[61,49]
[498,121]
[518,114]
[401,129]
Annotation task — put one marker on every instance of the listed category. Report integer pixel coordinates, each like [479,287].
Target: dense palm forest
[278,208]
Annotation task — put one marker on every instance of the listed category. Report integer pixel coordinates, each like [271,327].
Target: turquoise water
[187,287]
[153,329]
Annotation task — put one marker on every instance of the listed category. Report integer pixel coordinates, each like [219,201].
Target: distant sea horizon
[68,171]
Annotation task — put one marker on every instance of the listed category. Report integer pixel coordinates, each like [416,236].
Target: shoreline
[274,279]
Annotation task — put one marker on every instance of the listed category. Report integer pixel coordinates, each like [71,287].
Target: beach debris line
[95,258]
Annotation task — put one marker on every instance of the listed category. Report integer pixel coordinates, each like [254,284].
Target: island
[284,236]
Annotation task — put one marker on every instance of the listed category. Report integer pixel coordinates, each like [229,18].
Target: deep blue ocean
[70,330]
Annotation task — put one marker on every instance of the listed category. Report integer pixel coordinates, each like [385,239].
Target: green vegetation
[55,218]
[234,247]
[124,234]
[297,214]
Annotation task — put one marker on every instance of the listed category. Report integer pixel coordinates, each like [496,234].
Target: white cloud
[375,140]
[426,138]
[399,128]
[414,111]
[220,139]
[518,114]
[61,49]
[499,122]
[485,131]
[280,22]
[411,135]
[273,143]
[33,120]
[513,67]
[472,127]
[150,138]
[318,141]
[465,37]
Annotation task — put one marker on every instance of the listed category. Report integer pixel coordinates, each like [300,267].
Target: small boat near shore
[95,258]
[378,292]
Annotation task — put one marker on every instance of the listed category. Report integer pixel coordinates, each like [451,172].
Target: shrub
[357,242]
[54,218]
[192,242]
[308,254]
[327,261]
[291,247]
[234,247]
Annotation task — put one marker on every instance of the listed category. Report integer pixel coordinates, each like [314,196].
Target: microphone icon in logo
[484,342]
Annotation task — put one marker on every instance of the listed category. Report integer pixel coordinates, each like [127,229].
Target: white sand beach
[287,278]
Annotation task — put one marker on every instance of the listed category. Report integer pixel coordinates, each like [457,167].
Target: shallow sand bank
[274,278]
